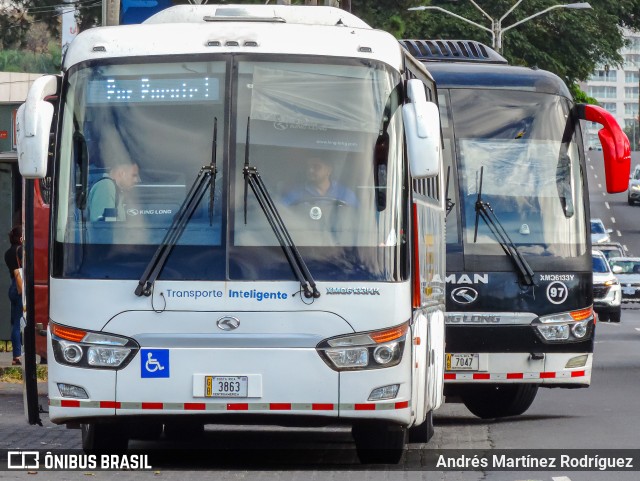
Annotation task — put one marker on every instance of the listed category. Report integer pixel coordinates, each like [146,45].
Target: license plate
[462,362]
[226,386]
[629,290]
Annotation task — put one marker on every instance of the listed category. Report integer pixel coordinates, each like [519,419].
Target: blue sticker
[154,363]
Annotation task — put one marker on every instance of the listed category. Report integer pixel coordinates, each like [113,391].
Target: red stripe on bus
[322,407]
[237,407]
[152,405]
[194,406]
[68,403]
[578,373]
[364,407]
[449,376]
[547,375]
[110,404]
[280,406]
[515,375]
[402,405]
[482,375]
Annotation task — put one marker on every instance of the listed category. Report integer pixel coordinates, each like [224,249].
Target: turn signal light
[582,314]
[389,334]
[67,333]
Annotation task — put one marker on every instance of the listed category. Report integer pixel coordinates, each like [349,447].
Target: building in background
[616,89]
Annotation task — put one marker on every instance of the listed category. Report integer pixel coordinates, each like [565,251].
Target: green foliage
[570,43]
[22,61]
[580,96]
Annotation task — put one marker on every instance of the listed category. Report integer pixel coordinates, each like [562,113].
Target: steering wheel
[321,200]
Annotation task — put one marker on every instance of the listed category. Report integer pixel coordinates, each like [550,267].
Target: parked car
[599,233]
[633,194]
[607,297]
[627,270]
[611,249]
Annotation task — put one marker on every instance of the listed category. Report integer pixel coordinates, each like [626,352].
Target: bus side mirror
[615,147]
[33,124]
[422,131]
[617,270]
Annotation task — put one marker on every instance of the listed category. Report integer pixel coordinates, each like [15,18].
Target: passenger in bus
[107,196]
[319,185]
[12,257]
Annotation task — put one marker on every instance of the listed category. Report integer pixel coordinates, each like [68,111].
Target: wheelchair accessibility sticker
[154,363]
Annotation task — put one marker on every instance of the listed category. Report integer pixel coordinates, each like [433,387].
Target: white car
[607,294]
[633,194]
[627,270]
[599,233]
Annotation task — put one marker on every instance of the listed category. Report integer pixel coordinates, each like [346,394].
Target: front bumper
[517,368]
[282,381]
[607,296]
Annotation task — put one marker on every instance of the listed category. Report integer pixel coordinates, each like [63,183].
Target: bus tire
[614,316]
[146,430]
[181,430]
[104,438]
[424,432]
[379,443]
[499,400]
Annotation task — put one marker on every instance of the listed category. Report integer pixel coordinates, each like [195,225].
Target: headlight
[612,282]
[367,350]
[635,187]
[77,347]
[570,326]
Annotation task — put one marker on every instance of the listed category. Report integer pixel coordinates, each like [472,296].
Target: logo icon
[154,363]
[280,126]
[23,460]
[464,295]
[315,213]
[228,323]
[132,211]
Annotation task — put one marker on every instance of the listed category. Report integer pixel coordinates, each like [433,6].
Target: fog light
[578,361]
[384,392]
[69,390]
[558,332]
[107,356]
[346,358]
[580,329]
[384,354]
[72,353]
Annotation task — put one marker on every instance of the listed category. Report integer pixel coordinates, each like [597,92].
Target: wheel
[603,316]
[183,430]
[614,316]
[321,200]
[499,400]
[104,438]
[145,430]
[379,443]
[629,201]
[424,432]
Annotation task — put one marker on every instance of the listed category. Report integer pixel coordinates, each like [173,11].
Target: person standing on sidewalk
[12,257]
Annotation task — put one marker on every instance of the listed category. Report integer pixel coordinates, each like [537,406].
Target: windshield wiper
[484,210]
[297,263]
[206,177]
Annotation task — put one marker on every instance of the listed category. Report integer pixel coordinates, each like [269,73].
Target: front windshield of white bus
[134,137]
[510,150]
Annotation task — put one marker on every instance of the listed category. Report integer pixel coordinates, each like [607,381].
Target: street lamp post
[496,29]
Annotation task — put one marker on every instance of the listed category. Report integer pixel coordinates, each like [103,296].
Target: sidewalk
[7,357]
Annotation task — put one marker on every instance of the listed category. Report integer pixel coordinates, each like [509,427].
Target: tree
[570,43]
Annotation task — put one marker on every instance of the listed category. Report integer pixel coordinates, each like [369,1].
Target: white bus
[281,255]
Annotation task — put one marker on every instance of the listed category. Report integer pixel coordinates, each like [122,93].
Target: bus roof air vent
[452,51]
